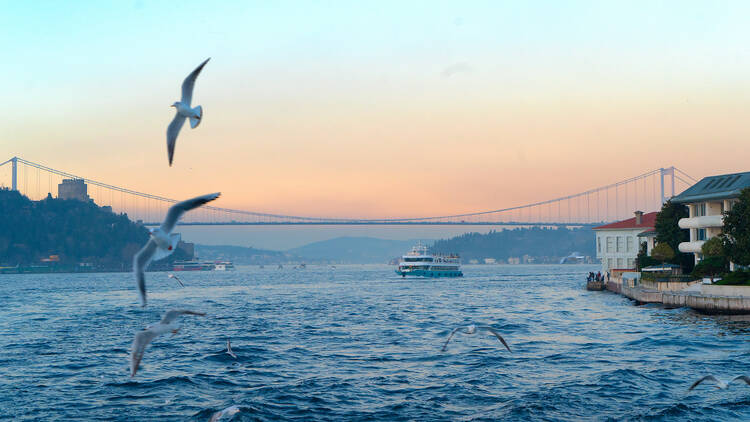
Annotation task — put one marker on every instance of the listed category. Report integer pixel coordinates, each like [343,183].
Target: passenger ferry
[192,266]
[420,263]
[224,266]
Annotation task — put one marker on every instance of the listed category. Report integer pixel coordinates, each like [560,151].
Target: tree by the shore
[662,253]
[736,237]
[669,232]
[714,260]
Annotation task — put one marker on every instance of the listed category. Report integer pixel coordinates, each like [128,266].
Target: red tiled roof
[647,222]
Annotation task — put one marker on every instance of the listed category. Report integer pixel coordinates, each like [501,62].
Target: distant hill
[241,255]
[354,250]
[545,244]
[75,231]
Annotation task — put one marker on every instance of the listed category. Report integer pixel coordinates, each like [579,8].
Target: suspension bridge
[614,201]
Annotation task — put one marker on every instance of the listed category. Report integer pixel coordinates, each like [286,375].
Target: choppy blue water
[359,343]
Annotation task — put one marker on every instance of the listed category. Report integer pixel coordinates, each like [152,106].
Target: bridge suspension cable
[601,204]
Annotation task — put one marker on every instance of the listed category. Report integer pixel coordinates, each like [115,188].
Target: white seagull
[471,329]
[143,338]
[176,278]
[229,350]
[162,241]
[229,411]
[719,383]
[184,111]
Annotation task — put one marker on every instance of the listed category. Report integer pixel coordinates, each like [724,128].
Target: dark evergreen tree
[669,232]
[736,237]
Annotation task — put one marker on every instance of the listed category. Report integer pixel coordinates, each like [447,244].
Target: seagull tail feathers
[195,121]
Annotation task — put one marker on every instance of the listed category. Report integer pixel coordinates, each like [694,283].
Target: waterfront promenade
[706,298]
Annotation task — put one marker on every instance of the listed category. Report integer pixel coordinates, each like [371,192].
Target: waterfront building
[73,189]
[707,201]
[617,243]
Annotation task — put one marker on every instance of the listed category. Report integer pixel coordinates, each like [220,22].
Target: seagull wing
[174,313]
[142,339]
[706,378]
[445,346]
[499,337]
[176,210]
[189,83]
[744,378]
[176,278]
[229,350]
[140,262]
[172,131]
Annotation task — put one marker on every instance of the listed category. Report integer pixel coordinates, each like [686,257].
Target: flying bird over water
[229,411]
[184,111]
[719,383]
[229,350]
[176,278]
[163,242]
[471,329]
[143,338]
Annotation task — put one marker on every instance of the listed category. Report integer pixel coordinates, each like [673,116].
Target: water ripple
[362,345]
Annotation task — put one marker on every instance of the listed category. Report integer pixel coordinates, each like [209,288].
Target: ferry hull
[430,273]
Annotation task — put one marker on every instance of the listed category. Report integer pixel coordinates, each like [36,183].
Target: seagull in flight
[471,329]
[176,278]
[143,338]
[162,241]
[229,350]
[229,411]
[719,383]
[184,111]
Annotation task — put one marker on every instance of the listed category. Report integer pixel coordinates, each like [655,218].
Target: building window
[631,263]
[610,246]
[620,244]
[620,263]
[700,210]
[610,263]
[599,244]
[701,234]
[630,243]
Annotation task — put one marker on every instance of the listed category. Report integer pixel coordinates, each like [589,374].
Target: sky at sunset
[377,109]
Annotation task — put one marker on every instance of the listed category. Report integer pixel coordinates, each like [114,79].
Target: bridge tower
[666,172]
[14,173]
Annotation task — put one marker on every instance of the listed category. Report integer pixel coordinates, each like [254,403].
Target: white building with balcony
[707,201]
[617,244]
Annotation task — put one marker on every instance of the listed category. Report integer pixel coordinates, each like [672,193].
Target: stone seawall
[709,299]
[642,295]
[708,304]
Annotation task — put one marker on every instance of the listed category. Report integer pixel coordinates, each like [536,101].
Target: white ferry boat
[223,266]
[420,263]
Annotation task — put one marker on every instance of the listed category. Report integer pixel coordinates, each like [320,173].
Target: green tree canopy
[669,232]
[662,252]
[736,238]
[713,247]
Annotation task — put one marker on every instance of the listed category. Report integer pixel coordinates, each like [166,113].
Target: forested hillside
[535,242]
[76,231]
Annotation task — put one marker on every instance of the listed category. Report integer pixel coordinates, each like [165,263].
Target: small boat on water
[595,285]
[223,266]
[192,266]
[419,262]
[196,265]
